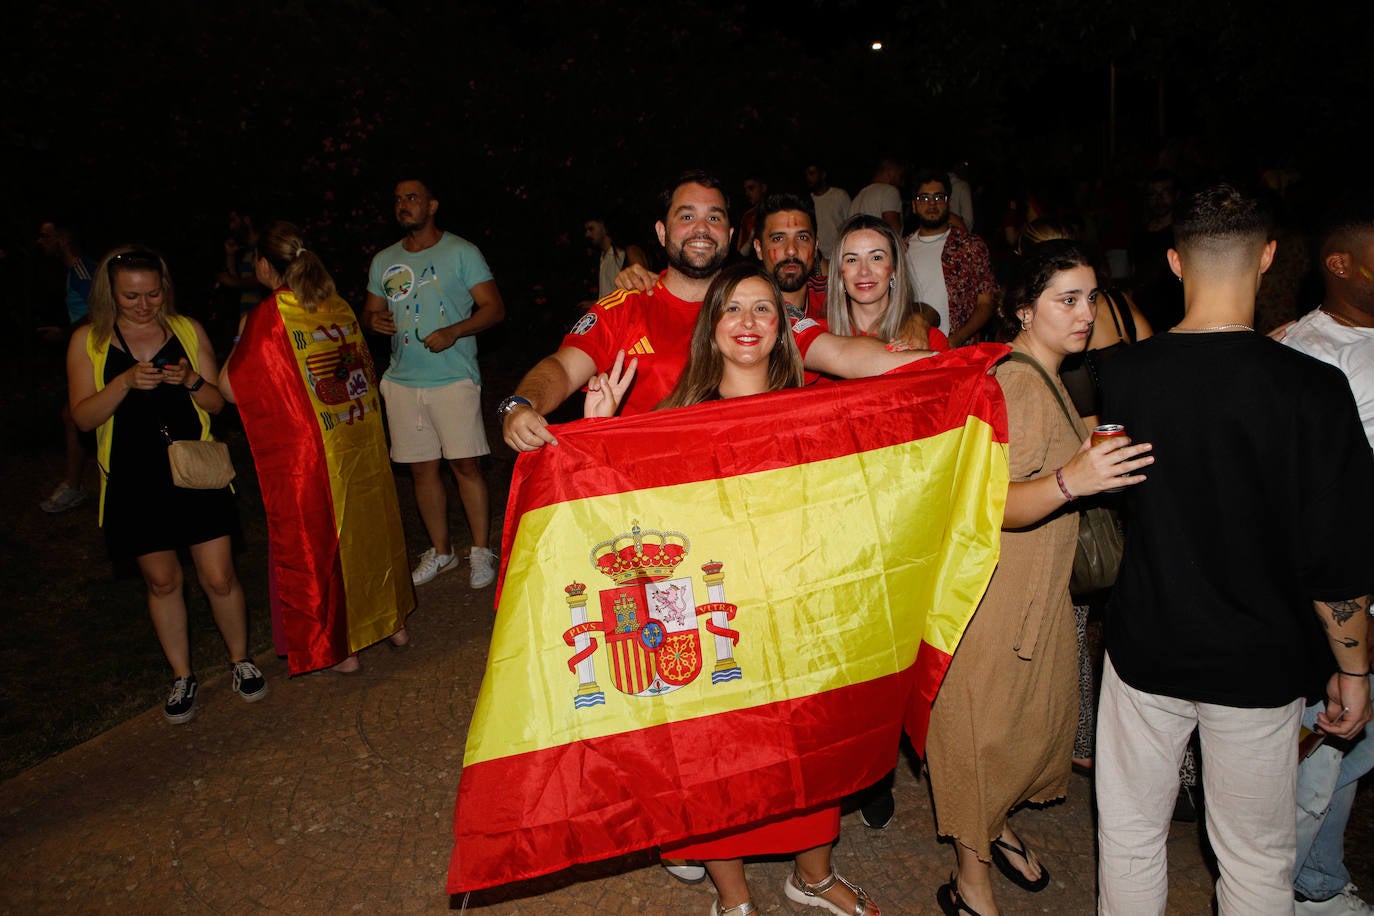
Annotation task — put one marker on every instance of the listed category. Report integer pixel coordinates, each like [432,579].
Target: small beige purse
[199,465]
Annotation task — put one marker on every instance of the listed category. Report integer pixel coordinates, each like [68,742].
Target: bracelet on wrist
[1059,479]
[1352,673]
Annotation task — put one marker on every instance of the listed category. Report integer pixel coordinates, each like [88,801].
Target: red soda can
[1107,431]
[1104,432]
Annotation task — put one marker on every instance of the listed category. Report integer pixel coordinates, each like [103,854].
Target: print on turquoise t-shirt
[428,290]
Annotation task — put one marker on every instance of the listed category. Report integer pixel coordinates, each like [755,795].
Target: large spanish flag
[717,615]
[307,394]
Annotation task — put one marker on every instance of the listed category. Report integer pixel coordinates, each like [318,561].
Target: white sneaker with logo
[483,567]
[431,564]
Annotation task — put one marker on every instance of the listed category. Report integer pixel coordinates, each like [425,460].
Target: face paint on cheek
[1365,273]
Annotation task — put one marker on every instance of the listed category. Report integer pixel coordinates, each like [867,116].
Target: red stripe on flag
[288,447]
[530,814]
[931,665]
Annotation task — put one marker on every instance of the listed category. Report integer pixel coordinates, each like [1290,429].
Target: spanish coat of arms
[649,619]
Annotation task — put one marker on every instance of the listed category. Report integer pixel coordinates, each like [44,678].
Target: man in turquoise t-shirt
[432,292]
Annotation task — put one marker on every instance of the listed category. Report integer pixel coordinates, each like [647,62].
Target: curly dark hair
[1038,266]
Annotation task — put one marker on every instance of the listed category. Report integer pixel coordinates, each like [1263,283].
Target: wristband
[1059,479]
[1352,673]
[196,387]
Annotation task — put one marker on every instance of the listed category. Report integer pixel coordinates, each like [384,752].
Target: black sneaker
[181,701]
[877,812]
[248,681]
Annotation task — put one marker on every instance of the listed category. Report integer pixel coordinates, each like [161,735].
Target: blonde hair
[283,247]
[1043,230]
[126,258]
[899,300]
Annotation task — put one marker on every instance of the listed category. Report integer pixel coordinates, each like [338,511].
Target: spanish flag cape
[720,615]
[307,393]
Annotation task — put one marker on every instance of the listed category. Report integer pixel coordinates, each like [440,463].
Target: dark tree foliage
[153,119]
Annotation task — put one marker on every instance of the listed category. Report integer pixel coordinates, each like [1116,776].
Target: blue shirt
[79,279]
[428,290]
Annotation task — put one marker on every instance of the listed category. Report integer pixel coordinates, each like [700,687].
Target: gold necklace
[1341,319]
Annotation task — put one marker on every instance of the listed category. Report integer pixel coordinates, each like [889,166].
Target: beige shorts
[431,423]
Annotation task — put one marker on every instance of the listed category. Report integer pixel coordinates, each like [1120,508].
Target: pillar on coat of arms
[588,692]
[726,669]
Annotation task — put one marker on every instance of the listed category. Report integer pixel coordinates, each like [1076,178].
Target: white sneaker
[483,567]
[684,871]
[1346,903]
[64,498]
[431,564]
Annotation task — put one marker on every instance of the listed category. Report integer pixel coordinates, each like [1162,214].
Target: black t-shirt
[1260,501]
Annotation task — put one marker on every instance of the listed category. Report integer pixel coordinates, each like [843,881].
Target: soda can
[1104,432]
[1107,431]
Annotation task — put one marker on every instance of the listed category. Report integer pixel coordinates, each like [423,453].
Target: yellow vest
[104,433]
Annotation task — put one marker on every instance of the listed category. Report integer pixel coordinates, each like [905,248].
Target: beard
[696,266]
[940,223]
[790,284]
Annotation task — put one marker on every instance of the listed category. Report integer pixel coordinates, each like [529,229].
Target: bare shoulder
[77,343]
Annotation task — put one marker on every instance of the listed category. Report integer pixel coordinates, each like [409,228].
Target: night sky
[149,121]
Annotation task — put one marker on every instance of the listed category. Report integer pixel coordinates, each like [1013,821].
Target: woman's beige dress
[1002,728]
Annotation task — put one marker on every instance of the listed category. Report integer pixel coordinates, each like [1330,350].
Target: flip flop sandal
[950,901]
[1008,870]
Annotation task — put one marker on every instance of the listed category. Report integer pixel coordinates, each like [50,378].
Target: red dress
[788,834]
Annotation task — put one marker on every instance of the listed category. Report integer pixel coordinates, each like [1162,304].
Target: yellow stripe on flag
[832,590]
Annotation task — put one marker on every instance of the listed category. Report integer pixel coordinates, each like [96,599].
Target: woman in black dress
[136,370]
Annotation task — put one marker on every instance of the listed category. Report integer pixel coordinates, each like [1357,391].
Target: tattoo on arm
[1347,641]
[1341,611]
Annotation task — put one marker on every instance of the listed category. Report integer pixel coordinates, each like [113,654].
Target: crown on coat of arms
[575,589]
[640,554]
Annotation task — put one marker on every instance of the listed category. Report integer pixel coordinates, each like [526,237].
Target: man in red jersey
[655,326]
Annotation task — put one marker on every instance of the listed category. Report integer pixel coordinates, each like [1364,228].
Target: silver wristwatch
[510,404]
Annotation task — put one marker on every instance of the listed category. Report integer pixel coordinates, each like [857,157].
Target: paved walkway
[335,794]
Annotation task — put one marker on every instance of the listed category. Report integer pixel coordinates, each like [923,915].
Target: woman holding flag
[740,347]
[303,379]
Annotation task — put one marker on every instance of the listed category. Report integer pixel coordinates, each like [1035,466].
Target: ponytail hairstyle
[282,246]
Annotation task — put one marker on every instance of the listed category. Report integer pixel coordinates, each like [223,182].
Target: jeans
[1326,791]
